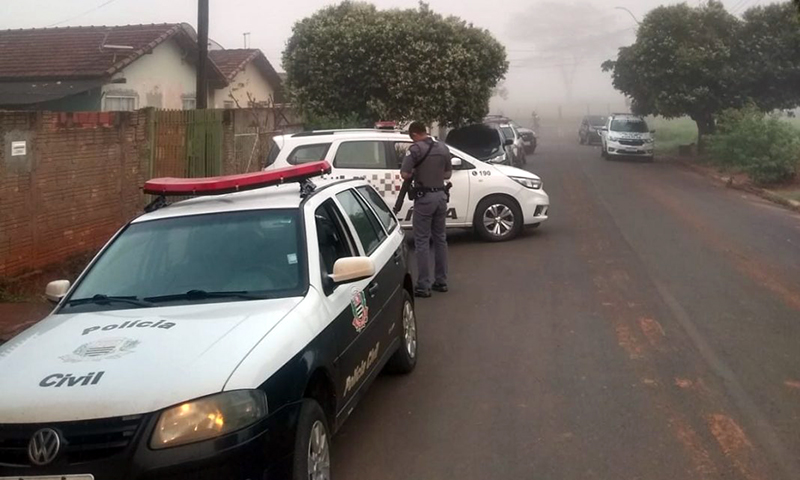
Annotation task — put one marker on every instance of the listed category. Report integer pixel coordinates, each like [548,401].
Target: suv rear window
[367,154]
[308,153]
[274,151]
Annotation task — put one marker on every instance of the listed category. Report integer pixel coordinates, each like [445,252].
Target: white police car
[226,336]
[626,135]
[495,200]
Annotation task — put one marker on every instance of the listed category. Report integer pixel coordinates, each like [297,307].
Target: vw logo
[44,447]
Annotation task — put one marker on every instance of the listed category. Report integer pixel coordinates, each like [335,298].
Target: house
[250,77]
[102,68]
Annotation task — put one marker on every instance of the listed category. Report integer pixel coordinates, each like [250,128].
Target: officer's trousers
[428,221]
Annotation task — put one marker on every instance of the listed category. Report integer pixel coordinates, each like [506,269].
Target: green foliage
[681,63]
[352,60]
[327,122]
[699,61]
[768,54]
[764,146]
[672,133]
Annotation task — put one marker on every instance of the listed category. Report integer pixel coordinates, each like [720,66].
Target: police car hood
[515,172]
[123,362]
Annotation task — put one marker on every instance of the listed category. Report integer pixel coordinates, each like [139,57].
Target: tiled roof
[81,52]
[231,62]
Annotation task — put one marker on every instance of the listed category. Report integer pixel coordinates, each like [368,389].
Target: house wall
[80,178]
[161,79]
[249,80]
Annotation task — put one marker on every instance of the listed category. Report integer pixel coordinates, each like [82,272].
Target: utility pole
[201,97]
[246,36]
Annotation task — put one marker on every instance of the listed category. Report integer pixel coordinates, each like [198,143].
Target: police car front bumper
[620,149]
[260,452]
[535,205]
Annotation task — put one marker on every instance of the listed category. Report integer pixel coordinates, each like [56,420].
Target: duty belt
[430,189]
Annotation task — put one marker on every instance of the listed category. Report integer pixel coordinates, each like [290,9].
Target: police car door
[459,194]
[364,343]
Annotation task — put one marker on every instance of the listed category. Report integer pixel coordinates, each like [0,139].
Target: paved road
[651,330]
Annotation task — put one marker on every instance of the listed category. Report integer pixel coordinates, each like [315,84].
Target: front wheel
[404,359]
[497,219]
[312,451]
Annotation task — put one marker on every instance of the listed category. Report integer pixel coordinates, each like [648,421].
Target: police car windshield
[255,254]
[632,125]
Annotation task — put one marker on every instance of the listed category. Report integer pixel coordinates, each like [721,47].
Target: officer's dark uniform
[430,209]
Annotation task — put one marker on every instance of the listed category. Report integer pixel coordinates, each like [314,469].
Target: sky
[550,43]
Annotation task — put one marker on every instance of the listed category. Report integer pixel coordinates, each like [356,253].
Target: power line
[91,10]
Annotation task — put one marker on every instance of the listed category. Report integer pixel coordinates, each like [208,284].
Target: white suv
[495,200]
[627,135]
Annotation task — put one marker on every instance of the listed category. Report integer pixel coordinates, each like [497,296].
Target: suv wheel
[312,451]
[497,219]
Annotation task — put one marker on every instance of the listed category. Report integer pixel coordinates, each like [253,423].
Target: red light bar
[234,183]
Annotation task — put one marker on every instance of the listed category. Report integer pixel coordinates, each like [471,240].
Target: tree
[353,60]
[768,56]
[682,63]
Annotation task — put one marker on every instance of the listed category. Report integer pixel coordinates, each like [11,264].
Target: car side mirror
[457,162]
[602,129]
[56,290]
[652,131]
[352,269]
[509,142]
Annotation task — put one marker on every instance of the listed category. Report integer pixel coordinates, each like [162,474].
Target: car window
[364,221]
[308,153]
[508,132]
[367,154]
[400,149]
[331,237]
[379,206]
[274,150]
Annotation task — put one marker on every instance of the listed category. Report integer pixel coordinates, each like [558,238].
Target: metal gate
[186,143]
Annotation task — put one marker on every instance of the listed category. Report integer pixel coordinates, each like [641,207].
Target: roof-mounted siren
[204,186]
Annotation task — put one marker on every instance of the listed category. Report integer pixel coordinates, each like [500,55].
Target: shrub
[764,146]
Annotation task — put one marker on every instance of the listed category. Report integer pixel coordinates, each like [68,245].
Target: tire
[404,360]
[486,215]
[312,433]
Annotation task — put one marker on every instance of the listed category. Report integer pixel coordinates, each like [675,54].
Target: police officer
[428,163]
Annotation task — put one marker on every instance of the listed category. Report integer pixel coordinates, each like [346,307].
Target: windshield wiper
[203,295]
[101,299]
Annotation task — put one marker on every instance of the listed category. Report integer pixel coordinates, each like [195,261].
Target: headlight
[209,417]
[649,140]
[614,138]
[531,183]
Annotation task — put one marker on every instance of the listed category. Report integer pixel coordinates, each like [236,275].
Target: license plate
[52,477]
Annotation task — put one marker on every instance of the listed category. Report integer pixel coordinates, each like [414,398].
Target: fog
[555,48]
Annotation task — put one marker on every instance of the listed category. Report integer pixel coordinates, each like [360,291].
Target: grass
[670,134]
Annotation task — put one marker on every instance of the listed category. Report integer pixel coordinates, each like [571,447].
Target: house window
[227,104]
[189,103]
[119,103]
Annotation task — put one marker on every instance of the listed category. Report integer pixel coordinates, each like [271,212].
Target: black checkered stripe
[384,183]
